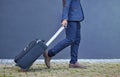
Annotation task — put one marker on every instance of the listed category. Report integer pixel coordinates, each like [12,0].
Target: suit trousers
[72,39]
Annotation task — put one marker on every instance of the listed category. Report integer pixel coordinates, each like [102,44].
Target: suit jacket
[72,10]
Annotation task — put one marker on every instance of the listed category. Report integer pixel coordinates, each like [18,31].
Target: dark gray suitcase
[34,49]
[29,54]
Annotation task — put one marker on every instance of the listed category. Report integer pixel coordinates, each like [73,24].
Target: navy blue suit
[72,12]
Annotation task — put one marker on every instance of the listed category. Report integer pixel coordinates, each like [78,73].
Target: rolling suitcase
[32,52]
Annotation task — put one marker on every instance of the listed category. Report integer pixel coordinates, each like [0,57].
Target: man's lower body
[72,39]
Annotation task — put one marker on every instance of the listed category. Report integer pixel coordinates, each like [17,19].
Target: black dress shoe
[47,59]
[77,65]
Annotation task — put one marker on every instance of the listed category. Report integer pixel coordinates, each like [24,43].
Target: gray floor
[39,61]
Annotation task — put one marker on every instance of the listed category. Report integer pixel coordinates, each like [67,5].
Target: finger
[62,24]
[65,25]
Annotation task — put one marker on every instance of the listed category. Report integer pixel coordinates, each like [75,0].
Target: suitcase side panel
[28,59]
[25,50]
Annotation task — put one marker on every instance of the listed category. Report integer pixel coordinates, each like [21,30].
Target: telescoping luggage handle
[55,35]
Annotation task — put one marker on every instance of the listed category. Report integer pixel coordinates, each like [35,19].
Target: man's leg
[70,38]
[75,45]
[74,50]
